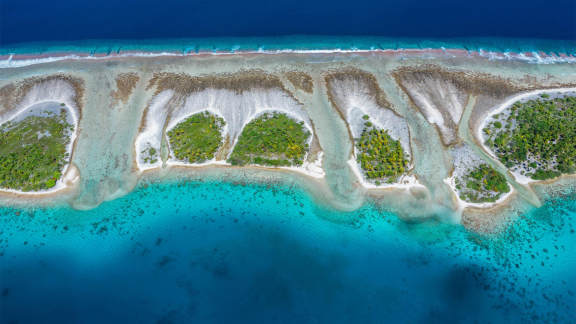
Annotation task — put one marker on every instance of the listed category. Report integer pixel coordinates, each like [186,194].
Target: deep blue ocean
[104,26]
[70,20]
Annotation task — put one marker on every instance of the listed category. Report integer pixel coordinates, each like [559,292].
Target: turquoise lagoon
[190,252]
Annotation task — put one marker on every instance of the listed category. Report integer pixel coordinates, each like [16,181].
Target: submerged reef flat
[423,134]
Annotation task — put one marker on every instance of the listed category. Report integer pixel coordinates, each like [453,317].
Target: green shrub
[33,151]
[482,184]
[272,139]
[380,156]
[195,139]
[545,129]
[150,155]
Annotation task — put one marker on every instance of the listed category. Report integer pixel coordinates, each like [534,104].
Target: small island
[482,184]
[197,138]
[381,157]
[273,139]
[535,137]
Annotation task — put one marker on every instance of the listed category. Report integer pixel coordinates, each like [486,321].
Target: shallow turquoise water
[219,252]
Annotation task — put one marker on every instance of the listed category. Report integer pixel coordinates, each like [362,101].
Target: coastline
[109,170]
[405,182]
[14,60]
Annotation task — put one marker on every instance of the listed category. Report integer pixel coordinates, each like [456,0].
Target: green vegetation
[482,184]
[33,151]
[272,139]
[150,155]
[381,157]
[197,138]
[539,137]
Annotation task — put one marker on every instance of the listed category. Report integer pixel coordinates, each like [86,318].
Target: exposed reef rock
[125,84]
[301,81]
[185,84]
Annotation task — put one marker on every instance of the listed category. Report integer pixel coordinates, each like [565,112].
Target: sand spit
[27,95]
[237,98]
[355,93]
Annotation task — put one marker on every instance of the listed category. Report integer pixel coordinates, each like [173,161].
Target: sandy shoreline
[405,181]
[20,60]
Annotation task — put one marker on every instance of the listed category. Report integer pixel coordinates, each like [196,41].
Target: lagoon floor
[219,253]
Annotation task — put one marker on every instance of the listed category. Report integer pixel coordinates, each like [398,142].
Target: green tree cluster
[33,151]
[544,128]
[150,155]
[380,156]
[482,184]
[272,139]
[197,138]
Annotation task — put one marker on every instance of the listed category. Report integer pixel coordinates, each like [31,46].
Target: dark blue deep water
[73,20]
[224,253]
